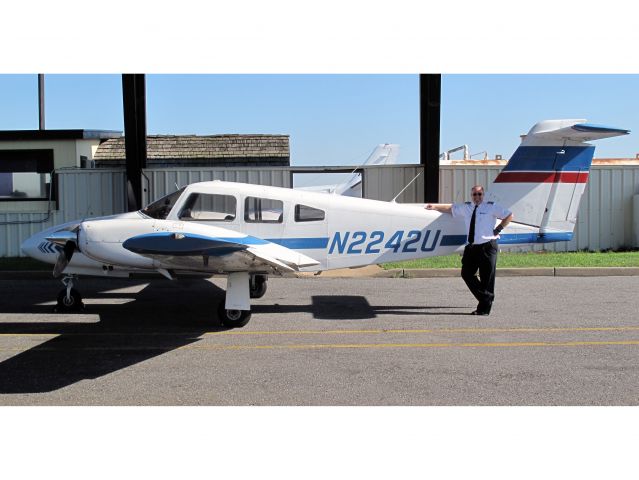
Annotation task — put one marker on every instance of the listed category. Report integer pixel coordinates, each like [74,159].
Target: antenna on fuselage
[407,185]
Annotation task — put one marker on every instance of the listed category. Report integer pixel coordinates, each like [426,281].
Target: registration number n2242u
[361,242]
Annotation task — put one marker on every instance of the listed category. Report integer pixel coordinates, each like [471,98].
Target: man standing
[481,249]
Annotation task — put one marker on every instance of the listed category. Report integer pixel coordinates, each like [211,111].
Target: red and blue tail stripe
[545,164]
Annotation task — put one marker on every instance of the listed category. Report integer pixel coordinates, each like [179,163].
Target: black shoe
[479,312]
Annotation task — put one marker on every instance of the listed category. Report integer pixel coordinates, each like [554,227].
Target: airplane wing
[219,251]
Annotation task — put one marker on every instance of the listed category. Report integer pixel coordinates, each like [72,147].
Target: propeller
[68,240]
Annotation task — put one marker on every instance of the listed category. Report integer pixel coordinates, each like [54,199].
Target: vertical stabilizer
[544,180]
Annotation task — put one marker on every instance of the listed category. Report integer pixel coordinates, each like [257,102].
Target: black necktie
[471,230]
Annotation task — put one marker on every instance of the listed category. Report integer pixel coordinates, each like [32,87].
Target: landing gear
[257,286]
[235,312]
[233,318]
[69,299]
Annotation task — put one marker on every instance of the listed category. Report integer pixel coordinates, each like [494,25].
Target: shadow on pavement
[353,307]
[162,317]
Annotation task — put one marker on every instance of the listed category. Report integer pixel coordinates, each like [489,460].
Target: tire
[260,287]
[233,318]
[72,304]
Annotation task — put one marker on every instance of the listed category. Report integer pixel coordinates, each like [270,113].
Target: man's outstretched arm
[440,207]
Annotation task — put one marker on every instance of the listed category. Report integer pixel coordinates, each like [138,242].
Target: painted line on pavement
[335,346]
[330,332]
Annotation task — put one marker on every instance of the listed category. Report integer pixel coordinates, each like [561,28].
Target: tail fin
[544,180]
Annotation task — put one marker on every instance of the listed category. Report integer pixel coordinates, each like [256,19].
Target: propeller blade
[64,257]
[60,264]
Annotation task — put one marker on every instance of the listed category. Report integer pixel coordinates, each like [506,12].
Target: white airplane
[382,154]
[248,232]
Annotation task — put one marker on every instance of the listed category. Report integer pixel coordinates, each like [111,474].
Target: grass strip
[532,260]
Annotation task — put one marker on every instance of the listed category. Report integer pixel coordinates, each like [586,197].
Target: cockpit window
[160,208]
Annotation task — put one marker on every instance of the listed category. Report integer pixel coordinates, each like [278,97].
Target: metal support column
[41,100]
[430,94]
[134,99]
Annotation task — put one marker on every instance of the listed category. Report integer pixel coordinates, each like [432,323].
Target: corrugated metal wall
[380,182]
[605,215]
[385,182]
[83,193]
[157,182]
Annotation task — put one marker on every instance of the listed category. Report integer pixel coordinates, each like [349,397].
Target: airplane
[248,232]
[382,154]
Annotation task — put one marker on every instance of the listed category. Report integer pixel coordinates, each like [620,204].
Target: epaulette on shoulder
[467,203]
[490,203]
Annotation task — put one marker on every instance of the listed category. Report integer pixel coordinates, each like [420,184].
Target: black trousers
[481,257]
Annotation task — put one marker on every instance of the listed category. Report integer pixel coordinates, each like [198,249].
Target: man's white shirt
[485,218]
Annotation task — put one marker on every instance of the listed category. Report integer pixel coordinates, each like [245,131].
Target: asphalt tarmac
[323,341]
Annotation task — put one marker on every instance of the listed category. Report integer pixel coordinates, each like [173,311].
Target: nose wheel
[69,299]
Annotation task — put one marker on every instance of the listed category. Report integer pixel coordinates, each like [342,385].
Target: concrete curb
[378,272]
[530,272]
[596,272]
[501,272]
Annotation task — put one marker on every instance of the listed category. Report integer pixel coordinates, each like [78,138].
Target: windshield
[160,208]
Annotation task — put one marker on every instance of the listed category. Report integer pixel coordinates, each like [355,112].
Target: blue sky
[335,119]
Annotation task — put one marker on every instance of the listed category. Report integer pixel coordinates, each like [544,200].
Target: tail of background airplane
[544,180]
[382,154]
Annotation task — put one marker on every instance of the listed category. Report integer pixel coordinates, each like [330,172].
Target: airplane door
[264,217]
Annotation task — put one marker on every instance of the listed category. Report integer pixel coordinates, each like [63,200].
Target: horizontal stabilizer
[569,132]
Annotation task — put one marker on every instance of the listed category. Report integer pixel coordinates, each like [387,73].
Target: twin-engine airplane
[248,232]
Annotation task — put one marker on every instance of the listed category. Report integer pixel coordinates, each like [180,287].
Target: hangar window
[263,210]
[207,207]
[26,174]
[304,213]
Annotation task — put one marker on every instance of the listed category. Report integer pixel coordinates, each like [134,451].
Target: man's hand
[497,230]
[429,207]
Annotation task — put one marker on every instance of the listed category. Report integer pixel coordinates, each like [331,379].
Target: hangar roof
[222,147]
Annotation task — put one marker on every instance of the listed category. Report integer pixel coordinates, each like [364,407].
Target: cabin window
[26,175]
[304,213]
[207,207]
[263,210]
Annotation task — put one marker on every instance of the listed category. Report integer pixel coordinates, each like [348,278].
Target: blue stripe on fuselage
[543,159]
[301,243]
[453,240]
[512,238]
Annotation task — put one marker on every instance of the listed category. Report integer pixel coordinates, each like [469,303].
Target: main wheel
[71,304]
[258,287]
[233,318]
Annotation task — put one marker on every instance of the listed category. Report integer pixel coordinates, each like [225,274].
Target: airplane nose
[30,246]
